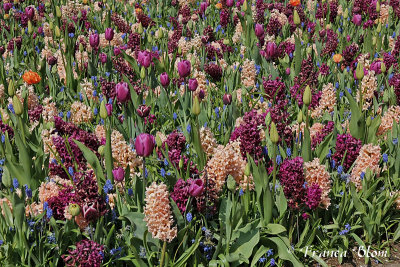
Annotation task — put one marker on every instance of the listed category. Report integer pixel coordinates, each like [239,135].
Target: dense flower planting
[198,133]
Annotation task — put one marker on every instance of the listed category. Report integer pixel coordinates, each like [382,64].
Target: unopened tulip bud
[51,25]
[231,183]
[307,96]
[103,110]
[142,73]
[360,71]
[18,108]
[383,67]
[158,141]
[57,31]
[368,122]
[58,12]
[379,28]
[101,150]
[74,209]
[81,47]
[300,117]
[11,88]
[140,28]
[181,163]
[378,7]
[196,106]
[247,169]
[30,27]
[273,133]
[244,6]
[296,17]
[346,13]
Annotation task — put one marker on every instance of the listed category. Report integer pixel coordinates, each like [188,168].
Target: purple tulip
[357,19]
[7,7]
[103,58]
[94,40]
[109,34]
[227,99]
[203,7]
[196,188]
[348,38]
[144,144]
[193,84]
[230,3]
[287,71]
[40,30]
[184,67]
[122,91]
[90,212]
[144,58]
[30,12]
[119,174]
[143,111]
[117,51]
[109,109]
[259,30]
[202,94]
[164,79]
[52,60]
[270,50]
[376,67]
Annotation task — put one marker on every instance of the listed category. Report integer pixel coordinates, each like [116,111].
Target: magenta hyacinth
[88,253]
[144,144]
[313,196]
[348,147]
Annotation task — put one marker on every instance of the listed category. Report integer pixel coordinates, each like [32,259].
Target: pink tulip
[122,91]
[94,40]
[119,174]
[184,68]
[144,144]
[259,30]
[193,85]
[164,79]
[357,19]
[196,188]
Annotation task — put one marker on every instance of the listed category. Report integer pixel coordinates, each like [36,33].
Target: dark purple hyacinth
[58,203]
[275,90]
[249,134]
[291,177]
[346,144]
[214,71]
[181,194]
[87,254]
[395,82]
[6,128]
[313,197]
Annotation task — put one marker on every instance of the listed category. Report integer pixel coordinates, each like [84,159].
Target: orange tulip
[138,10]
[294,2]
[219,5]
[337,58]
[31,77]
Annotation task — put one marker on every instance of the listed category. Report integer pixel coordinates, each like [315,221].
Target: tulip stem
[108,154]
[21,126]
[163,254]
[144,176]
[274,166]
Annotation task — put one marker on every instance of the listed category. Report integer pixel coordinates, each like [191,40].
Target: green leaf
[306,147]
[245,244]
[93,161]
[137,220]
[357,203]
[275,229]
[285,250]
[186,255]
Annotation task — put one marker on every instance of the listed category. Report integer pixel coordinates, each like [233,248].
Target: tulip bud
[180,163]
[142,73]
[58,12]
[300,117]
[383,67]
[226,41]
[360,71]
[74,209]
[196,106]
[57,31]
[244,6]
[81,47]
[149,38]
[11,88]
[30,27]
[231,183]
[368,122]
[18,108]
[158,141]
[273,133]
[159,34]
[140,29]
[378,7]
[103,110]
[296,17]
[346,13]
[307,96]
[379,28]
[374,40]
[101,150]
[51,25]
[247,169]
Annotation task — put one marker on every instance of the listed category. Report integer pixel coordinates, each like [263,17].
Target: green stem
[21,126]
[109,159]
[274,165]
[163,254]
